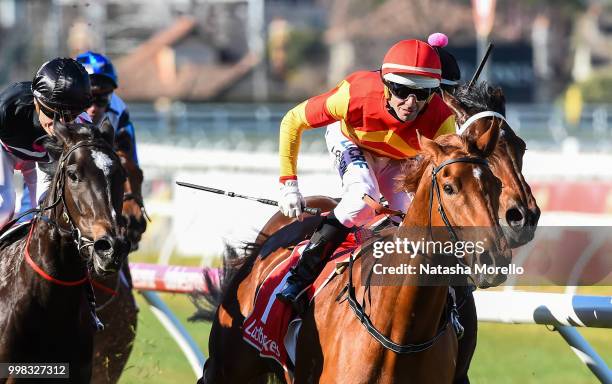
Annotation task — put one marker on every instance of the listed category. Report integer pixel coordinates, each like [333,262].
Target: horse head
[133,204]
[87,192]
[485,106]
[458,196]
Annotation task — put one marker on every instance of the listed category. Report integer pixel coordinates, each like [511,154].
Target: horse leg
[112,347]
[231,359]
[467,344]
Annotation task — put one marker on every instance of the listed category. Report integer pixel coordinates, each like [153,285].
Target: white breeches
[362,172]
[31,175]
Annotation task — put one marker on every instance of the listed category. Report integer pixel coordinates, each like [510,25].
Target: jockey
[451,74]
[60,90]
[372,118]
[105,102]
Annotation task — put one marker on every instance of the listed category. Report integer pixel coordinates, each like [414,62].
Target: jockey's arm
[315,112]
[125,123]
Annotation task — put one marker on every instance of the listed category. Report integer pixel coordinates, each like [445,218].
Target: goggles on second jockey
[101,100]
[66,116]
[402,91]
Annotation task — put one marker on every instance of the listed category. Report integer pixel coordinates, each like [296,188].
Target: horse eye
[72,175]
[448,189]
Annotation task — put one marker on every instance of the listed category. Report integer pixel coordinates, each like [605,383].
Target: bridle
[81,241]
[452,313]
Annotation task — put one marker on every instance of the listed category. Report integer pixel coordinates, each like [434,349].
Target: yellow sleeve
[290,138]
[448,126]
[315,112]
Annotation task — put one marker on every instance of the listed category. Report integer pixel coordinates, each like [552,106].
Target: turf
[505,353]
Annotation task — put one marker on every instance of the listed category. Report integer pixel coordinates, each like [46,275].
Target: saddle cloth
[266,327]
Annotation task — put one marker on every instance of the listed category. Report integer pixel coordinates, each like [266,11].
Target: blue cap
[98,64]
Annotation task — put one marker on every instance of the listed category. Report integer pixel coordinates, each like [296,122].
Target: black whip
[483,61]
[310,210]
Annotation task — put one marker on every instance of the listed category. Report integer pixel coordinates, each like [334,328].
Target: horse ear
[499,100]
[460,113]
[428,146]
[108,131]
[488,140]
[61,131]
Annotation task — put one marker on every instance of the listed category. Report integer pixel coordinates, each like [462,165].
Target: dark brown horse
[116,302]
[46,301]
[331,335]
[518,209]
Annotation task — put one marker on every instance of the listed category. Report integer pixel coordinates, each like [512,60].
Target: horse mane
[414,167]
[481,97]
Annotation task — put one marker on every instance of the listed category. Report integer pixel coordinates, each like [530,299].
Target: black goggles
[101,100]
[403,91]
[66,116]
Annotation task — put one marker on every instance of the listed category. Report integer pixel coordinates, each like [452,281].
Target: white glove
[291,200]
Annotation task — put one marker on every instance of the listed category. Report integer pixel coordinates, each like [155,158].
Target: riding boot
[330,234]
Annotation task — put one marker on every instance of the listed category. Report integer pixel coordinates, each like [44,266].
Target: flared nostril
[103,245]
[515,217]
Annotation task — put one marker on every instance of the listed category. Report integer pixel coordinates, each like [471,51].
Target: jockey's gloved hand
[291,202]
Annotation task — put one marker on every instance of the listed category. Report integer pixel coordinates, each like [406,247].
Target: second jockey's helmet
[99,67]
[63,85]
[413,63]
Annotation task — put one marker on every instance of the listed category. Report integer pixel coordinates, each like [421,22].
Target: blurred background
[208,81]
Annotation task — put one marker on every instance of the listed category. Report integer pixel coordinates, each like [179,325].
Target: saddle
[272,326]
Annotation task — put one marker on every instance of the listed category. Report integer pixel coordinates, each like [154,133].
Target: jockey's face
[46,115]
[99,105]
[406,109]
[407,101]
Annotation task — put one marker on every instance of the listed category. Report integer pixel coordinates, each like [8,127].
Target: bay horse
[331,336]
[475,109]
[46,300]
[117,307]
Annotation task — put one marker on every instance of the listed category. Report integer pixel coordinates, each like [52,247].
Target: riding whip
[483,61]
[310,210]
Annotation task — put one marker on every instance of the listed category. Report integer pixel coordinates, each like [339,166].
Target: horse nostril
[515,217]
[103,245]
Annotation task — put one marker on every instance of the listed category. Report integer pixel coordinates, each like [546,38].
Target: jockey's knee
[352,211]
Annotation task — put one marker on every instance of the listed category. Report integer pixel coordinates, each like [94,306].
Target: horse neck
[53,250]
[411,307]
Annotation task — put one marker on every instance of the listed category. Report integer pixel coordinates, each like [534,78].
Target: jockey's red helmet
[413,63]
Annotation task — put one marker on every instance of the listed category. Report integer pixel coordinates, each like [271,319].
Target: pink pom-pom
[438,40]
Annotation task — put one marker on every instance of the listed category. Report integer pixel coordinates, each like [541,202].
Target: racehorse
[331,336]
[116,302]
[46,300]
[475,109]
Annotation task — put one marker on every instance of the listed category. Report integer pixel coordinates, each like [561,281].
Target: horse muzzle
[109,253]
[519,224]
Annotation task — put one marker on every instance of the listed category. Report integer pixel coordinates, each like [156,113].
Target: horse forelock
[481,97]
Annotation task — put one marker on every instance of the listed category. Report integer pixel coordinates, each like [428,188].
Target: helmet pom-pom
[438,40]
